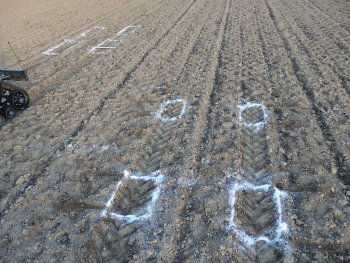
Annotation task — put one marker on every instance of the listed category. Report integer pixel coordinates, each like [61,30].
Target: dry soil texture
[177,131]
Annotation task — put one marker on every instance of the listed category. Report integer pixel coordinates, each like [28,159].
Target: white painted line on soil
[159,114]
[253,126]
[108,43]
[71,42]
[156,177]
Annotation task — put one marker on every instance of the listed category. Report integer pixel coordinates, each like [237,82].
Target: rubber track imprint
[72,137]
[253,143]
[340,160]
[134,198]
[256,215]
[256,212]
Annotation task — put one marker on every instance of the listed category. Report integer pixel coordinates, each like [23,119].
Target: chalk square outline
[118,40]
[156,177]
[281,226]
[257,125]
[170,102]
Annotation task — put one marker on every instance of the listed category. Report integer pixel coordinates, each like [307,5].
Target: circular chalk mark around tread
[253,115]
[169,111]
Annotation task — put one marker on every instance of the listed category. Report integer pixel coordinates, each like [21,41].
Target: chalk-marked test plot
[109,43]
[256,208]
[71,42]
[281,227]
[253,115]
[171,110]
[135,197]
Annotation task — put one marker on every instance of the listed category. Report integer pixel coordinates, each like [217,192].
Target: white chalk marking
[281,227]
[253,126]
[127,30]
[108,43]
[104,148]
[156,177]
[112,44]
[71,42]
[51,52]
[110,200]
[92,149]
[159,114]
[187,182]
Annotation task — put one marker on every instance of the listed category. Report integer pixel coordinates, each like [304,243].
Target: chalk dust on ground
[166,98]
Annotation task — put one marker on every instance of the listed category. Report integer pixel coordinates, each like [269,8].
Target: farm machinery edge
[13,99]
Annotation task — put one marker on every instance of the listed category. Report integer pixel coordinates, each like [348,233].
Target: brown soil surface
[266,183]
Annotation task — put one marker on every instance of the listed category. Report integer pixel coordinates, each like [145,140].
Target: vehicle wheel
[20,99]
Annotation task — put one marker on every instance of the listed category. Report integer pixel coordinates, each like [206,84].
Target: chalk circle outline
[251,125]
[166,104]
[281,226]
[157,177]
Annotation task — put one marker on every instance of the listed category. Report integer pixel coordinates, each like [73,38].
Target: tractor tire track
[288,134]
[251,160]
[326,12]
[305,182]
[255,160]
[197,144]
[136,112]
[50,137]
[219,57]
[256,212]
[322,21]
[322,40]
[152,129]
[338,155]
[135,133]
[157,155]
[82,124]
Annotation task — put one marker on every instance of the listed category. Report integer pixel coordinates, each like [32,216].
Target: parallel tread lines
[204,110]
[324,127]
[86,120]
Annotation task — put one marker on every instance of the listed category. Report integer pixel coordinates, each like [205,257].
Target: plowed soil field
[177,131]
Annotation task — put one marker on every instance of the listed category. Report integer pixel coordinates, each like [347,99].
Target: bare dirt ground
[177,131]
